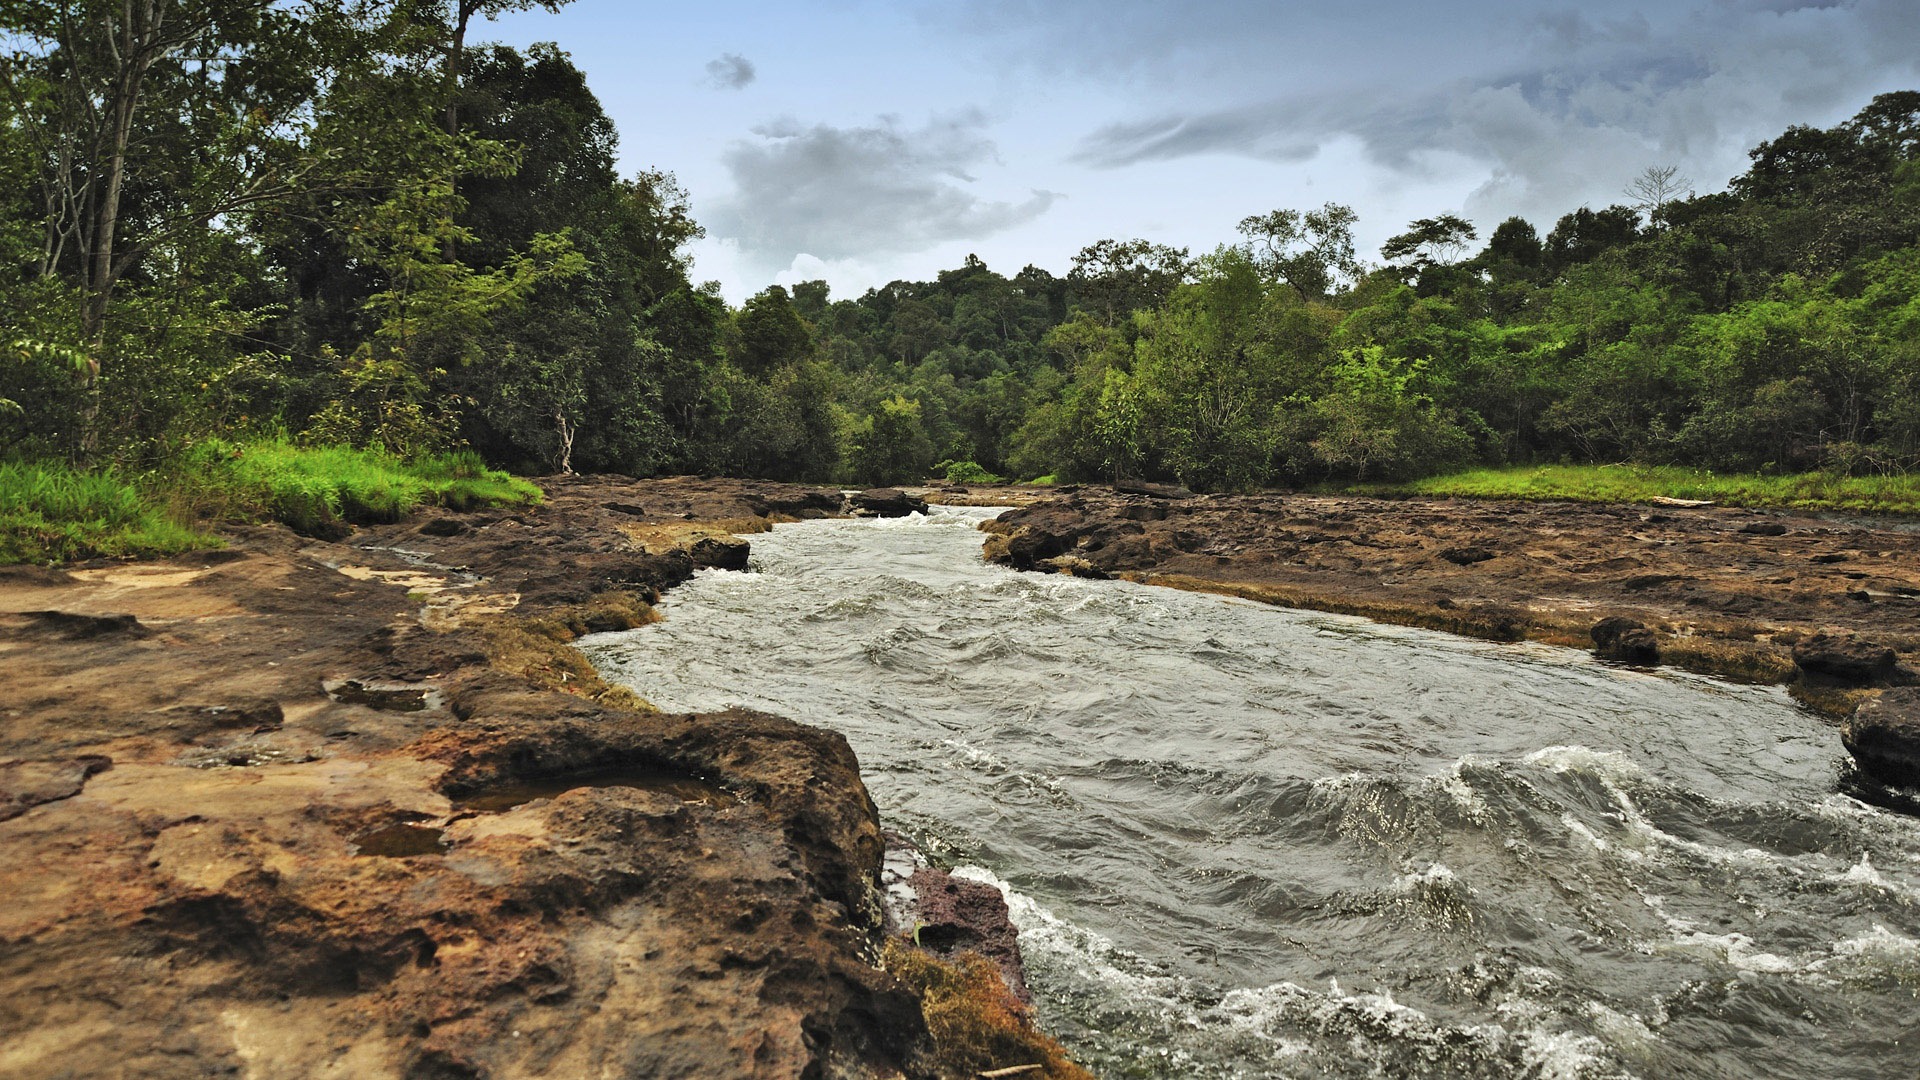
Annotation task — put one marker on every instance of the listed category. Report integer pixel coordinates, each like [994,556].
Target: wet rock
[886,502]
[1883,735]
[1076,565]
[1625,640]
[957,915]
[1848,660]
[720,552]
[73,626]
[1465,556]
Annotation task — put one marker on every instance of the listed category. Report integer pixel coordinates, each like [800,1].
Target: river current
[1241,841]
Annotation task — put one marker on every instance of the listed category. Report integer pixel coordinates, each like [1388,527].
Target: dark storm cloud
[730,72]
[838,192]
[1557,105]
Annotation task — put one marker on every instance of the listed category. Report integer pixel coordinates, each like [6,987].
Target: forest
[234,230]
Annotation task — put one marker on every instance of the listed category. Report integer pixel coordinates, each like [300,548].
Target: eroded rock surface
[243,801]
[1721,590]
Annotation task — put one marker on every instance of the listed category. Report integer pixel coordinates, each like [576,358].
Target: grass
[51,512]
[1889,495]
[976,1024]
[317,489]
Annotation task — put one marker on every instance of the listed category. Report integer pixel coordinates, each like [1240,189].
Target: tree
[1430,242]
[1655,189]
[1585,235]
[1112,277]
[155,119]
[769,334]
[1312,252]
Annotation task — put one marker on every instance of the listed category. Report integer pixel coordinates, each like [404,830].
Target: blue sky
[862,142]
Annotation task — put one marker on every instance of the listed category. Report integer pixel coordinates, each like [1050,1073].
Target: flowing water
[1245,842]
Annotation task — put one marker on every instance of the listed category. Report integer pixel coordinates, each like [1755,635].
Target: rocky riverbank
[1831,607]
[352,807]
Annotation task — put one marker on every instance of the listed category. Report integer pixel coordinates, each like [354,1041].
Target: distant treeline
[342,224]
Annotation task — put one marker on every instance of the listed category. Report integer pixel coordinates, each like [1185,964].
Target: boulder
[1883,735]
[886,502]
[1625,640]
[720,552]
[1848,660]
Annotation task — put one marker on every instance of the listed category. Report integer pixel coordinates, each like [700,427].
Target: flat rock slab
[241,801]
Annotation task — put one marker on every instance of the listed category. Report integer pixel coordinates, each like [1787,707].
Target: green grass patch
[315,489]
[1874,495]
[53,513]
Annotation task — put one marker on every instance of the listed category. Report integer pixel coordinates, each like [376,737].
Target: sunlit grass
[51,512]
[1631,483]
[312,488]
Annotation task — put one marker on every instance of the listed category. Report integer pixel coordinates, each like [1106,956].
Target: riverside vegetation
[328,226]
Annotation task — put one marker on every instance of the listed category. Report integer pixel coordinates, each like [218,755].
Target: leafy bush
[968,472]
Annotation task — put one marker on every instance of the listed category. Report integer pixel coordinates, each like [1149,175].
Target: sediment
[1735,593]
[310,808]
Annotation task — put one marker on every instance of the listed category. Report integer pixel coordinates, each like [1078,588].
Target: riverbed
[1241,841]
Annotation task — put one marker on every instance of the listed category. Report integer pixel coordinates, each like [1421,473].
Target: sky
[862,142]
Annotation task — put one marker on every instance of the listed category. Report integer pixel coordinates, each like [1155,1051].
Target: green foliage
[350,225]
[967,472]
[1624,483]
[55,513]
[891,445]
[316,488]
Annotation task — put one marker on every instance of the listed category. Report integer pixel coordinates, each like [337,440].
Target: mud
[311,808]
[1721,591]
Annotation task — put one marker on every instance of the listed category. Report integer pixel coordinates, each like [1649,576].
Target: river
[1241,841]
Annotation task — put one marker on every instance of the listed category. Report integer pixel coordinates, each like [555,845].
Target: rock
[1152,491]
[1075,565]
[27,784]
[1883,735]
[887,502]
[956,915]
[1764,528]
[72,626]
[720,552]
[1625,640]
[1465,556]
[1848,660]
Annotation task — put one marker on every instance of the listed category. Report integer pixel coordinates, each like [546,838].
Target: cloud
[840,192]
[1550,107]
[730,72]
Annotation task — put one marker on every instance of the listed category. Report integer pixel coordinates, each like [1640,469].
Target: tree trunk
[139,39]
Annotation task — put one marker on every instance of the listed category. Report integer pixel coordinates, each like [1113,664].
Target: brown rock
[1625,640]
[886,502]
[1883,735]
[1848,660]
